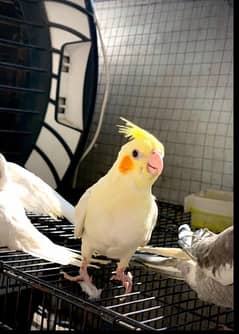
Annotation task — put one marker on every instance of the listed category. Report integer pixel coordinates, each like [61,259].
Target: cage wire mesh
[34,295]
[171,72]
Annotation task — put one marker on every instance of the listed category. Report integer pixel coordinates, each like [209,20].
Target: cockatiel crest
[132,131]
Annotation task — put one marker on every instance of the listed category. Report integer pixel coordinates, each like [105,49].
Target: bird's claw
[125,279]
[77,278]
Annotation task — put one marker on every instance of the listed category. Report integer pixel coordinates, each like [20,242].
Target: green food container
[211,208]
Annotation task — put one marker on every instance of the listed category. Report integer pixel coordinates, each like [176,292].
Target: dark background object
[25,76]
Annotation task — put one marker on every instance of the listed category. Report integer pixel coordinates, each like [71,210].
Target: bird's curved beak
[155,164]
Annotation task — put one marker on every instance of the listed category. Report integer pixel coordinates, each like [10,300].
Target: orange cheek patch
[126,164]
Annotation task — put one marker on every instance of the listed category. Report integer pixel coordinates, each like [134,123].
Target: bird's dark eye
[135,153]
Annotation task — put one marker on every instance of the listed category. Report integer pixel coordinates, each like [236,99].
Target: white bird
[16,230]
[205,262]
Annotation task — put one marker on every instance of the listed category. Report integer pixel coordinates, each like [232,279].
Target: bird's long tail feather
[39,245]
[165,260]
[169,260]
[55,253]
[177,253]
[167,266]
[32,241]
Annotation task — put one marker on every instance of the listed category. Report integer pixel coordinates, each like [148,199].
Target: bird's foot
[83,274]
[85,282]
[126,279]
[81,277]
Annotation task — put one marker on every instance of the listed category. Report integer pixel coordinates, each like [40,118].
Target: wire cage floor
[34,294]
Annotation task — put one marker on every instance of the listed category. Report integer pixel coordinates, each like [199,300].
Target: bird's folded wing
[154,215]
[214,255]
[80,213]
[212,252]
[37,196]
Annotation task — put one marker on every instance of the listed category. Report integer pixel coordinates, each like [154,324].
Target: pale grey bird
[205,262]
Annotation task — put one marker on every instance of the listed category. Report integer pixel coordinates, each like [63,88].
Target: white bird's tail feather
[37,196]
[55,253]
[23,235]
[35,243]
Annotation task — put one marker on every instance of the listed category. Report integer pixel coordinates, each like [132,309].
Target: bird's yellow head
[142,155]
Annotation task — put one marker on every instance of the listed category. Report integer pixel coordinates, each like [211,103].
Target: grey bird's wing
[204,261]
[210,270]
[212,252]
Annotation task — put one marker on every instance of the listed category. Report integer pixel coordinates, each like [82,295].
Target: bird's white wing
[36,195]
[80,213]
[4,174]
[18,233]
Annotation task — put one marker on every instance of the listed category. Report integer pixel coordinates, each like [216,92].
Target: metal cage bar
[156,302]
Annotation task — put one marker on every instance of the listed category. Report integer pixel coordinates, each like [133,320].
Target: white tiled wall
[171,72]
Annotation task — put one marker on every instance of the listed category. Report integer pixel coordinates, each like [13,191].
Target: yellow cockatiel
[118,213]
